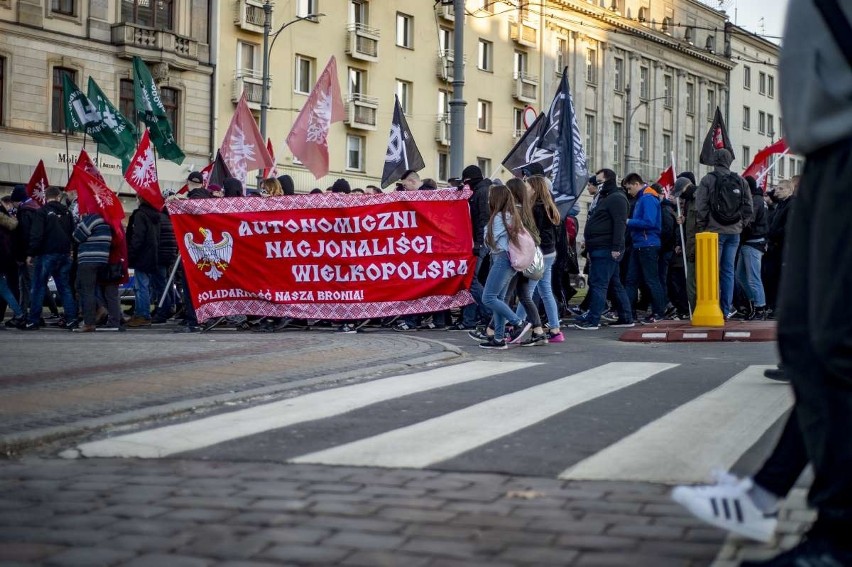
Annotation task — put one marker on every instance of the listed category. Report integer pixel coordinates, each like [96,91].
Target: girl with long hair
[504,226]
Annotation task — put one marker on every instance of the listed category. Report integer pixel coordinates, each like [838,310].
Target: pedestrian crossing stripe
[444,437]
[197,434]
[711,431]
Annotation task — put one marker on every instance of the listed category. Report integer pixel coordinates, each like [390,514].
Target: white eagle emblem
[213,255]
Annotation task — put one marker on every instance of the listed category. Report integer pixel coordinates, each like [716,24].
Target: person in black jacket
[752,249]
[773,259]
[167,252]
[143,251]
[49,251]
[604,234]
[475,313]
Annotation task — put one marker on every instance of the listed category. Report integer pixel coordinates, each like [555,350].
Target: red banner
[326,256]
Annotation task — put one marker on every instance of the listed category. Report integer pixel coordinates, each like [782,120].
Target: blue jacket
[645,222]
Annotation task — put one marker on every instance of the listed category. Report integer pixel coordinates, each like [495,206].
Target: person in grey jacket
[729,234]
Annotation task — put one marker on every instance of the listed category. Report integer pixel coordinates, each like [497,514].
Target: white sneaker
[727,505]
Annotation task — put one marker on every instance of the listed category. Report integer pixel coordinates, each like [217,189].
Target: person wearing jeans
[644,263]
[603,274]
[58,266]
[748,274]
[728,245]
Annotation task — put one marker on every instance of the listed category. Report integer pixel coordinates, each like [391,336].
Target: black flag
[527,151]
[716,139]
[219,172]
[569,171]
[402,153]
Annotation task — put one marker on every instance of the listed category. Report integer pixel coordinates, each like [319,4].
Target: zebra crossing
[482,414]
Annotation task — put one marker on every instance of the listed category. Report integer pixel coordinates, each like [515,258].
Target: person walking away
[143,245]
[751,253]
[94,238]
[8,270]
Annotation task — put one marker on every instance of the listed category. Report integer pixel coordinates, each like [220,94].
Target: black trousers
[789,458]
[815,328]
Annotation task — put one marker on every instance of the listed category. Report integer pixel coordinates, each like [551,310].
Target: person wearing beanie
[233,187]
[341,186]
[287,185]
[688,175]
[532,169]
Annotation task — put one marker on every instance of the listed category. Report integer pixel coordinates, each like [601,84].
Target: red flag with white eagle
[243,148]
[272,171]
[89,166]
[38,183]
[142,174]
[667,180]
[308,139]
[759,166]
[93,196]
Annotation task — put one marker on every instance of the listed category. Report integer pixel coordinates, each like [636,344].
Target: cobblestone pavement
[188,513]
[56,383]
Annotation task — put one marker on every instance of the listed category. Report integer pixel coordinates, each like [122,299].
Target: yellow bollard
[708,312]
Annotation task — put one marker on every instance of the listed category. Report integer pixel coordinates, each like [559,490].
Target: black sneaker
[586,326]
[650,320]
[609,316]
[478,335]
[71,325]
[460,327]
[776,374]
[31,327]
[347,328]
[189,329]
[516,335]
[622,324]
[493,344]
[536,339]
[159,320]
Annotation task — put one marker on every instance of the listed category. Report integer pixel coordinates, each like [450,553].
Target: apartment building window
[643,146]
[590,139]
[561,55]
[746,118]
[690,98]
[444,102]
[403,92]
[770,86]
[354,153]
[521,59]
[644,83]
[668,91]
[171,100]
[304,74]
[359,12]
[483,115]
[306,8]
[747,77]
[618,74]
[617,144]
[518,127]
[591,65]
[689,150]
[64,7]
[247,59]
[667,150]
[761,83]
[158,14]
[127,99]
[711,104]
[485,61]
[357,81]
[792,163]
[761,122]
[781,172]
[57,114]
[484,165]
[443,166]
[770,125]
[746,154]
[404,30]
[445,40]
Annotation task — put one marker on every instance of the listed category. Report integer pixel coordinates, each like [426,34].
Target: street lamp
[267,47]
[630,120]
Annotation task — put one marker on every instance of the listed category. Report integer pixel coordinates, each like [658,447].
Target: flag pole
[682,237]
[67,156]
[169,283]
[84,139]
[771,167]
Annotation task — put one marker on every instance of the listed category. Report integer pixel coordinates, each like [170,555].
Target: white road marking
[713,430]
[205,432]
[446,436]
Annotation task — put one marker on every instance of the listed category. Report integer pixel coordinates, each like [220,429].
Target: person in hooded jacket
[477,312]
[775,237]
[25,211]
[143,245]
[729,234]
[751,253]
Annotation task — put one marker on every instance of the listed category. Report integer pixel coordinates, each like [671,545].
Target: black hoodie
[51,230]
[607,222]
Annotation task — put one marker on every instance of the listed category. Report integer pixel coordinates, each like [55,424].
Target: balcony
[362,42]
[250,82]
[523,32]
[445,12]
[442,130]
[361,111]
[526,88]
[445,65]
[132,39]
[248,15]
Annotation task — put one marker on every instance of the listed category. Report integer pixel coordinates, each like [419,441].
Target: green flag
[122,129]
[151,111]
[83,116]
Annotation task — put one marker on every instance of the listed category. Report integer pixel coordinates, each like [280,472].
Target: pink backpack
[522,255]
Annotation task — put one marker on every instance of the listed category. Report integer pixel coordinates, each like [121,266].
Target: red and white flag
[759,166]
[89,166]
[308,139]
[38,183]
[243,148]
[272,171]
[667,180]
[142,174]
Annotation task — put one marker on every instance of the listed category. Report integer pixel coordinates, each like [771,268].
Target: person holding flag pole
[682,235]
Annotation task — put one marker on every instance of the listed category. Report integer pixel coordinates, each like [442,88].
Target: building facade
[42,40]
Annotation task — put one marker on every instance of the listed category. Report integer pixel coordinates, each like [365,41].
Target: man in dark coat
[143,251]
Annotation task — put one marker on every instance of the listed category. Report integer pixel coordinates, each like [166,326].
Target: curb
[681,332]
[14,443]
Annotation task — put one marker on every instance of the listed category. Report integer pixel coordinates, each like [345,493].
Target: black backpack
[726,198]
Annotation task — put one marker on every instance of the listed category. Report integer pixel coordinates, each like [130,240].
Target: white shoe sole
[763,535]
